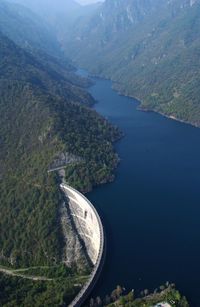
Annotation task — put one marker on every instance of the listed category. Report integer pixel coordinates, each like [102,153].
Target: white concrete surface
[164,304]
[86,220]
[90,228]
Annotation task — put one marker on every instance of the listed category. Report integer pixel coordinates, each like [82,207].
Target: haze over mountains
[86,2]
[149,48]
[26,28]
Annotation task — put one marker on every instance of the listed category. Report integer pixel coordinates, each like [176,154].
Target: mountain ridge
[154,59]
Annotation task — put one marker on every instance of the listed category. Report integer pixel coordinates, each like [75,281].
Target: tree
[98,301]
[91,302]
[119,291]
[122,300]
[116,293]
[130,296]
[107,300]
[146,292]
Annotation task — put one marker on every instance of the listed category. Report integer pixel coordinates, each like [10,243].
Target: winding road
[16,274]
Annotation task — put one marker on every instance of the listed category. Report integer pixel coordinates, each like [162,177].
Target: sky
[84,2]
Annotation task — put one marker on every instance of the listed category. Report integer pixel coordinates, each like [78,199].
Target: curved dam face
[87,222]
[89,227]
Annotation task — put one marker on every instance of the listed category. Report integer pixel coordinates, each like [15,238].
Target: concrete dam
[90,229]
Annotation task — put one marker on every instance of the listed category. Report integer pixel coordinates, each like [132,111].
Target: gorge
[151,210]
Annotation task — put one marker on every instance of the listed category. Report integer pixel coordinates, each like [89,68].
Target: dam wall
[90,229]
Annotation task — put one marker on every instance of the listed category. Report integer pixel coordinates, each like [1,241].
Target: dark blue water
[151,212]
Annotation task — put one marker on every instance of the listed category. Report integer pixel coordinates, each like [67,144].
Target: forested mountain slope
[27,29]
[149,48]
[41,70]
[43,115]
[30,31]
[39,121]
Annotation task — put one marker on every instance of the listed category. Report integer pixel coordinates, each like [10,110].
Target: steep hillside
[149,48]
[43,116]
[60,16]
[27,29]
[41,70]
[38,122]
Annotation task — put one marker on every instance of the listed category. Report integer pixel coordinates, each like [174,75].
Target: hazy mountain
[150,48]
[26,28]
[59,15]
[48,8]
[86,2]
[116,16]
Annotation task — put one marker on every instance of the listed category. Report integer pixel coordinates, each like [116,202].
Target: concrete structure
[164,304]
[90,229]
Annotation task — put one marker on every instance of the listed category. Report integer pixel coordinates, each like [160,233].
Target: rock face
[113,23]
[113,16]
[127,12]
[121,15]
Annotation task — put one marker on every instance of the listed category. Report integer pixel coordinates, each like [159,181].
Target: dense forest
[41,118]
[58,291]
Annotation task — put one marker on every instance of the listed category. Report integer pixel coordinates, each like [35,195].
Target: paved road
[15,273]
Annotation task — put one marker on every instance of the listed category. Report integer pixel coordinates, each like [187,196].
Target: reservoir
[151,211]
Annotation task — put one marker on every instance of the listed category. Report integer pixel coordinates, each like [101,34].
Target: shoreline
[143,109]
[87,74]
[138,100]
[144,117]
[172,117]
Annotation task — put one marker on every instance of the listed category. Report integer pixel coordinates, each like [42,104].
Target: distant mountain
[27,29]
[44,7]
[118,15]
[59,15]
[50,10]
[149,48]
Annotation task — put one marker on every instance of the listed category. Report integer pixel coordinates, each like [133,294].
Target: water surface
[151,211]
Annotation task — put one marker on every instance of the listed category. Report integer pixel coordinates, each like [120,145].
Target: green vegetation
[150,50]
[44,113]
[37,124]
[166,293]
[52,272]
[57,292]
